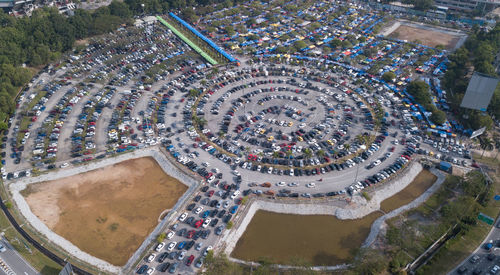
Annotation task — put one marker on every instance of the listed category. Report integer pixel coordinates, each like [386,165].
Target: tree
[161,237]
[347,146]
[497,145]
[120,9]
[371,52]
[229,30]
[307,153]
[389,76]
[220,264]
[335,43]
[194,93]
[320,153]
[486,144]
[438,117]
[281,49]
[369,261]
[420,91]
[346,44]
[299,45]
[422,5]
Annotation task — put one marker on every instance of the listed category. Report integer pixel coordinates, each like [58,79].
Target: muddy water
[317,239]
[417,187]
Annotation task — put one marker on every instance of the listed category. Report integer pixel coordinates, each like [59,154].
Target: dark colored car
[142,269]
[164,267]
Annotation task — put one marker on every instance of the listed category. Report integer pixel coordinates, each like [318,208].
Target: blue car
[233,209]
[205,214]
[181,245]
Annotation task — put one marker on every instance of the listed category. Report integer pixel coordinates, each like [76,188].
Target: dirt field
[431,38]
[107,212]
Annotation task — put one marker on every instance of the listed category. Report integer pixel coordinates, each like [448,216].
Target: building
[468,5]
[6,4]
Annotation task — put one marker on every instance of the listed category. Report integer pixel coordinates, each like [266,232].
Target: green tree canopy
[389,76]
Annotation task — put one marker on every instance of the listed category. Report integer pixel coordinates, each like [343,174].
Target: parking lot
[297,126]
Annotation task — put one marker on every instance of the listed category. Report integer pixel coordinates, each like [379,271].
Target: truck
[445,166]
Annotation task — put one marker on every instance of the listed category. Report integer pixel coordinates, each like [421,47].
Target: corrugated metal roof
[479,92]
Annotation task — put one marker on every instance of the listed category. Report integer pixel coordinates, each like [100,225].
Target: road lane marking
[6,268]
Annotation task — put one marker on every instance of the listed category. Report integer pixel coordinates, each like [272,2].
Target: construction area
[107,212]
[425,35]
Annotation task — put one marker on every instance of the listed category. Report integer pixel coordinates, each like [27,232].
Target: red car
[190,234]
[210,193]
[198,223]
[190,260]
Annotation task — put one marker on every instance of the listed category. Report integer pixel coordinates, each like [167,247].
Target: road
[483,263]
[12,263]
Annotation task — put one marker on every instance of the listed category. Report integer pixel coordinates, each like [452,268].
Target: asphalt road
[482,262]
[12,263]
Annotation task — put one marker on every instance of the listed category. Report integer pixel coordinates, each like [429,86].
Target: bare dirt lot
[107,212]
[431,38]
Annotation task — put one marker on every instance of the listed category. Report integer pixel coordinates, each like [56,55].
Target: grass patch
[366,195]
[458,249]
[34,257]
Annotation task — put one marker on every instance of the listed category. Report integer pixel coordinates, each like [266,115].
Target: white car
[64,165]
[311,185]
[183,217]
[198,210]
[280,184]
[150,271]
[206,250]
[495,269]
[170,235]
[151,258]
[206,222]
[171,246]
[235,194]
[159,246]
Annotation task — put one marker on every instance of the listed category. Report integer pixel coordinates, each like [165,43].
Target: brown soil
[107,212]
[417,187]
[426,37]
